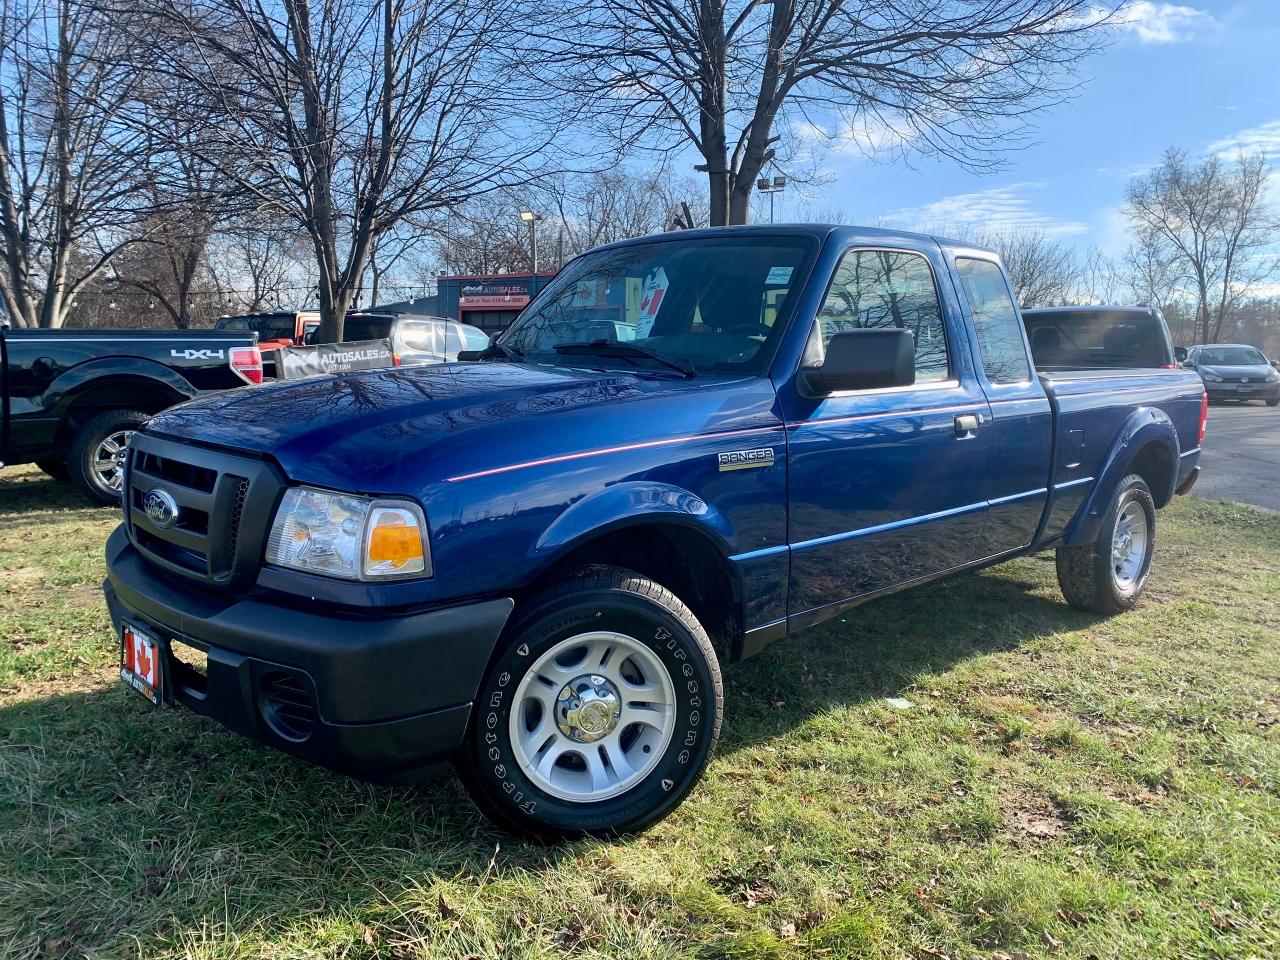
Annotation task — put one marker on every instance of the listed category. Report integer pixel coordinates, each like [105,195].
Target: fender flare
[1143,427]
[630,503]
[64,390]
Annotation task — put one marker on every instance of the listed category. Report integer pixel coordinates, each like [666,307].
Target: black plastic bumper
[1263,391]
[389,696]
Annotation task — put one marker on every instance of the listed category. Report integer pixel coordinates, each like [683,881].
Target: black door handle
[966,424]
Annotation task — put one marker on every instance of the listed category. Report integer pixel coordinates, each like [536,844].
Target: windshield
[714,304]
[1230,356]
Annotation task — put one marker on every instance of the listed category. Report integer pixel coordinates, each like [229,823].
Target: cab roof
[818,231]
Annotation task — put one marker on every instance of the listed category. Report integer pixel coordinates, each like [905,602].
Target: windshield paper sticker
[778,275]
[655,288]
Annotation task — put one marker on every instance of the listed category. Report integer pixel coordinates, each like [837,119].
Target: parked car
[1235,371]
[71,399]
[535,564]
[415,339]
[1098,338]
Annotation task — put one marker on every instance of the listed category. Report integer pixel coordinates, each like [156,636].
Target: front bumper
[1260,390]
[389,695]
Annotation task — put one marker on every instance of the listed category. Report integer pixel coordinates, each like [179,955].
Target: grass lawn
[1062,786]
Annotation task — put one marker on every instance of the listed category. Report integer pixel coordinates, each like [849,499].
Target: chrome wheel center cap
[587,708]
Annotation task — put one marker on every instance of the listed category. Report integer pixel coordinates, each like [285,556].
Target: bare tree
[352,116]
[1043,270]
[69,165]
[187,202]
[618,204]
[483,236]
[1152,271]
[259,262]
[1212,219]
[1099,280]
[734,78]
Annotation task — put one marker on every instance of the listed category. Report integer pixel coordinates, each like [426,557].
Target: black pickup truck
[70,399]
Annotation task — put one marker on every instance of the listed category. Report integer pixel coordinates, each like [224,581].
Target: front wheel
[1108,575]
[600,713]
[1274,403]
[96,459]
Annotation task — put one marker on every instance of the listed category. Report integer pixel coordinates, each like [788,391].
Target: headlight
[1211,377]
[355,538]
[1273,376]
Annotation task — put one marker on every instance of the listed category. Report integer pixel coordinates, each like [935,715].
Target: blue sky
[1201,76]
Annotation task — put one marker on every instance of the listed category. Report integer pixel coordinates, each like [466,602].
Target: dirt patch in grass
[20,578]
[1035,818]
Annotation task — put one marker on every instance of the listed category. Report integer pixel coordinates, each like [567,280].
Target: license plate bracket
[142,663]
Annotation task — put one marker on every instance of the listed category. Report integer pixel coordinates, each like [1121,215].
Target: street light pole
[532,219]
[771,187]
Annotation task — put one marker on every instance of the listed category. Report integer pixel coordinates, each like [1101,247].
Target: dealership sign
[494,295]
[335,358]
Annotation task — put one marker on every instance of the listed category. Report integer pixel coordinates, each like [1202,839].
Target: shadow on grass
[883,647]
[120,822]
[25,490]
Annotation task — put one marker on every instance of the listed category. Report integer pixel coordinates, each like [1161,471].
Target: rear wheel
[599,715]
[1108,575]
[1274,403]
[96,460]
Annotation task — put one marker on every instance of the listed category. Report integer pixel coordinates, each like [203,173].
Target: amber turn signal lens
[394,545]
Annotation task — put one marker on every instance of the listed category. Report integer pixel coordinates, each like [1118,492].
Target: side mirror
[1180,354]
[864,360]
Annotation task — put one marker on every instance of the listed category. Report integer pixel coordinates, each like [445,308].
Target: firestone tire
[1108,575]
[633,635]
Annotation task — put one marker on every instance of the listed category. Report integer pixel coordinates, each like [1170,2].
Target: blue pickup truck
[687,447]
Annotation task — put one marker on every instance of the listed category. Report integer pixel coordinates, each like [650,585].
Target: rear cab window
[1097,339]
[995,320]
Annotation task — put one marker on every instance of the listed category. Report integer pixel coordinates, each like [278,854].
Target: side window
[886,288]
[995,319]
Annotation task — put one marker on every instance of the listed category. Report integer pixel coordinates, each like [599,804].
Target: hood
[378,430]
[1256,372]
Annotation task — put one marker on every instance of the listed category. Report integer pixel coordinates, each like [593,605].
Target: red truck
[280,328]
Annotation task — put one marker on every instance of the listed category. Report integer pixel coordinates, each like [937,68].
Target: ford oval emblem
[161,509]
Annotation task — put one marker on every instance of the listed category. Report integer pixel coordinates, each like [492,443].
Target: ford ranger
[535,563]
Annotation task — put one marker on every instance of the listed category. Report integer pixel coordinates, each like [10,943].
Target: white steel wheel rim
[108,459]
[1129,545]
[592,717]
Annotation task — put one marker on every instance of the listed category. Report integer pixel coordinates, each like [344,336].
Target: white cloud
[864,135]
[1152,22]
[1265,138]
[997,208]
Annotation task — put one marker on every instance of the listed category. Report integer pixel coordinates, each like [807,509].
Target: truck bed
[1092,408]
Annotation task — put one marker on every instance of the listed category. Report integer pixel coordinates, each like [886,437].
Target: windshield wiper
[624,348]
